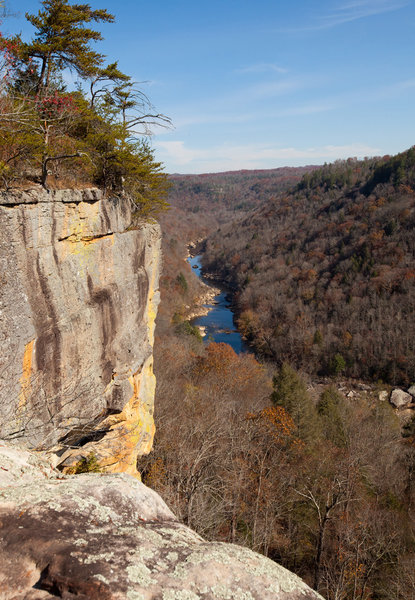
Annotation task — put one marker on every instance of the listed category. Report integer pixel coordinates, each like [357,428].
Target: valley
[207,381]
[296,451]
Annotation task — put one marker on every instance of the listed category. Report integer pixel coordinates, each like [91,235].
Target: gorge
[79,298]
[286,472]
[339,243]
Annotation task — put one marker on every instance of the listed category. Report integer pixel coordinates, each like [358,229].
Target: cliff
[108,537]
[78,303]
[79,294]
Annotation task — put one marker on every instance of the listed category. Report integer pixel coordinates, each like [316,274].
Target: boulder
[412,390]
[383,396]
[399,398]
[406,415]
[109,537]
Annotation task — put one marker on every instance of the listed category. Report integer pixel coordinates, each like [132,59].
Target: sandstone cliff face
[79,294]
[108,537]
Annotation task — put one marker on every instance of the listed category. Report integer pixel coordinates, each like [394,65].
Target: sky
[259,84]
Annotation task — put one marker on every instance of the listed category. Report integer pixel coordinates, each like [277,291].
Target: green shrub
[181,280]
[87,464]
[186,328]
[337,364]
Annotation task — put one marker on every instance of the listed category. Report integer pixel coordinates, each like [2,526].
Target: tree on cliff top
[44,127]
[63,41]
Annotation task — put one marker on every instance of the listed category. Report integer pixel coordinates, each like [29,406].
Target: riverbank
[204,302]
[215,318]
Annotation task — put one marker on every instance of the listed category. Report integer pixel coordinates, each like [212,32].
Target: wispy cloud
[360,9]
[347,12]
[272,89]
[262,68]
[241,104]
[214,117]
[306,109]
[228,111]
[209,118]
[180,158]
[397,88]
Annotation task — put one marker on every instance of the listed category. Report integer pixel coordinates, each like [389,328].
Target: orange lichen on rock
[25,379]
[129,433]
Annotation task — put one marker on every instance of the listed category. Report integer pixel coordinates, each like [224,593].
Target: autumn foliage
[334,257]
[274,422]
[262,454]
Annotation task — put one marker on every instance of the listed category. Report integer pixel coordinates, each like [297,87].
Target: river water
[219,323]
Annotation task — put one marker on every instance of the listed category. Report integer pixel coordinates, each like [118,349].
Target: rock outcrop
[108,537]
[400,399]
[79,294]
[383,395]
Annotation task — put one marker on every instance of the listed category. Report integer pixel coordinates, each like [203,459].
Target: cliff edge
[109,537]
[79,295]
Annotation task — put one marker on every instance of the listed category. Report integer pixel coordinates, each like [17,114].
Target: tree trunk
[317,568]
[40,86]
[48,159]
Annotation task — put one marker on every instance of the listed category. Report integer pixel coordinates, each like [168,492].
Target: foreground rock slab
[109,537]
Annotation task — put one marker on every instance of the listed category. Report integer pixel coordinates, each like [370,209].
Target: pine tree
[290,392]
[333,417]
[63,41]
[105,77]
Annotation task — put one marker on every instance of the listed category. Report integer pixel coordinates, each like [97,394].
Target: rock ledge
[109,537]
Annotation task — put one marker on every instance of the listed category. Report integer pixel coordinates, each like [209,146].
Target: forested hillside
[314,475]
[216,198]
[312,472]
[325,274]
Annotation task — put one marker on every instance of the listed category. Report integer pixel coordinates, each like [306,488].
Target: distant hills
[227,195]
[324,273]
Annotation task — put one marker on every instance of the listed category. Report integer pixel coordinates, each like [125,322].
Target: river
[218,324]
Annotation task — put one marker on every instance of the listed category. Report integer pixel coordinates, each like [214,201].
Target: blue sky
[263,84]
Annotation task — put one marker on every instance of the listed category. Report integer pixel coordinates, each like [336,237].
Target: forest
[295,457]
[222,197]
[324,275]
